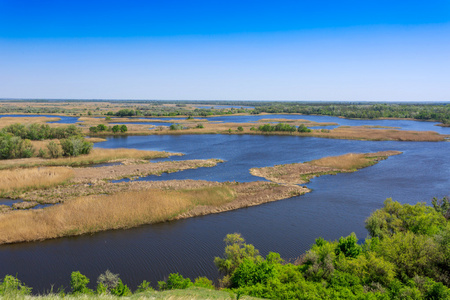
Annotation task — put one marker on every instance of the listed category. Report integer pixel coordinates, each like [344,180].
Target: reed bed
[102,212]
[25,179]
[6,121]
[96,156]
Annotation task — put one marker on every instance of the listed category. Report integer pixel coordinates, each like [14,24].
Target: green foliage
[278,127]
[176,127]
[303,128]
[121,290]
[123,128]
[102,127]
[349,246]
[108,280]
[319,260]
[12,287]
[200,125]
[15,147]
[78,284]
[54,149]
[442,206]
[115,128]
[41,131]
[240,128]
[204,283]
[175,281]
[395,217]
[108,118]
[75,146]
[144,287]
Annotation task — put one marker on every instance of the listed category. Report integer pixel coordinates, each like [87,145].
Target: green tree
[78,283]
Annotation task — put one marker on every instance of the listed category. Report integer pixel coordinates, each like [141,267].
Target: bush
[75,146]
[204,283]
[108,280]
[303,128]
[348,246]
[175,281]
[176,127]
[123,128]
[78,283]
[121,289]
[15,147]
[144,287]
[10,286]
[240,128]
[54,149]
[199,126]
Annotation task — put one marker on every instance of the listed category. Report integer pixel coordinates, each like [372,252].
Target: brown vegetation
[22,179]
[299,173]
[6,121]
[364,133]
[96,156]
[137,207]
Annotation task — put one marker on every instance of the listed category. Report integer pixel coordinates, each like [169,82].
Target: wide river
[337,206]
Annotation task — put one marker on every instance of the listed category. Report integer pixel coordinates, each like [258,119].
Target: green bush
[204,283]
[303,128]
[12,287]
[175,281]
[121,289]
[176,127]
[15,147]
[348,246]
[75,146]
[144,287]
[54,149]
[78,284]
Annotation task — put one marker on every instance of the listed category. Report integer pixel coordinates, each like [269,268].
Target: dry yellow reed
[40,177]
[97,213]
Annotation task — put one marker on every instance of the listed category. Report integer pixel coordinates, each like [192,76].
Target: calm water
[337,206]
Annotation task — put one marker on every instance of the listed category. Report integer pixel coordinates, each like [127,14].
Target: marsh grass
[351,161]
[35,178]
[96,156]
[6,121]
[103,212]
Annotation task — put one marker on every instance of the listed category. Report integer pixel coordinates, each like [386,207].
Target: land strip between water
[90,202]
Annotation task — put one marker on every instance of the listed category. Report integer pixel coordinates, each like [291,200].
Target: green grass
[187,294]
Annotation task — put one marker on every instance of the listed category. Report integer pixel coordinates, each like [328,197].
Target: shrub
[75,146]
[175,281]
[123,128]
[93,129]
[78,283]
[121,289]
[176,127]
[54,149]
[10,286]
[200,125]
[102,127]
[240,128]
[144,287]
[115,128]
[204,283]
[348,246]
[15,147]
[303,128]
[108,280]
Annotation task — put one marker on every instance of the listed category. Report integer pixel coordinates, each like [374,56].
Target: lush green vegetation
[283,127]
[438,112]
[41,131]
[15,141]
[406,257]
[104,128]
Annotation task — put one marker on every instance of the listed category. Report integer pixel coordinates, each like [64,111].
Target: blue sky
[232,50]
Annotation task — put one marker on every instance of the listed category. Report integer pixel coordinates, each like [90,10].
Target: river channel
[337,206]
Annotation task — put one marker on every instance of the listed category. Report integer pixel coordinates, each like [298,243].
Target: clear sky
[226,50]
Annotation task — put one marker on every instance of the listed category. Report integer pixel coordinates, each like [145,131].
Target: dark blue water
[64,119]
[337,206]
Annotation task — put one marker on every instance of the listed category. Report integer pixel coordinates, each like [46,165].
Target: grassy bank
[96,156]
[299,173]
[96,213]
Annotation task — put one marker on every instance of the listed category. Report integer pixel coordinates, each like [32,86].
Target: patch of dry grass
[363,133]
[23,179]
[299,173]
[97,213]
[6,121]
[96,156]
